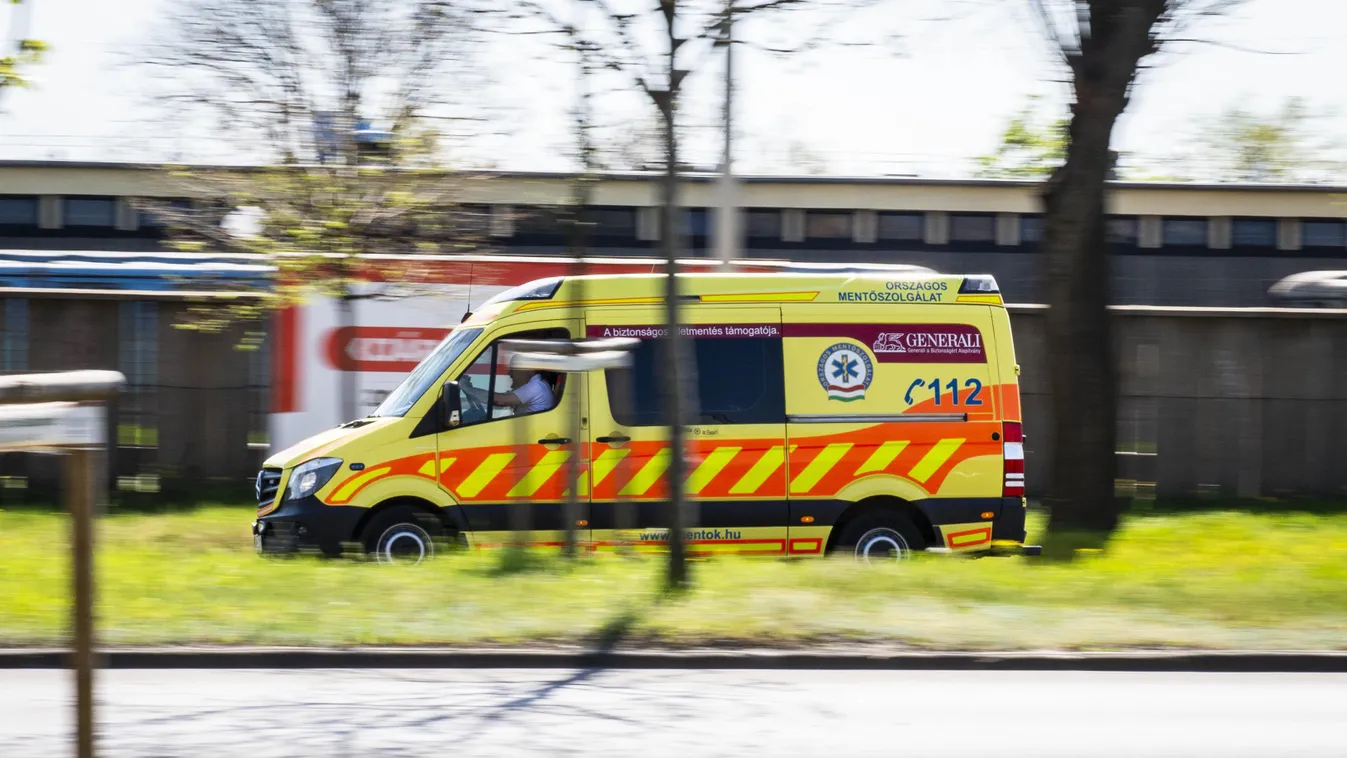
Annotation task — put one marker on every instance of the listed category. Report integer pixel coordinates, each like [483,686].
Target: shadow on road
[395,712]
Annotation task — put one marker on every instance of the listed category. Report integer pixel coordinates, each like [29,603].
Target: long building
[1236,402]
[1173,244]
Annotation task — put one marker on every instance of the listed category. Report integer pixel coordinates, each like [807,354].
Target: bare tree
[656,47]
[1102,43]
[343,103]
[637,146]
[293,81]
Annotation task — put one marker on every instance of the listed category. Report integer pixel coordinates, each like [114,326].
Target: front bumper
[307,525]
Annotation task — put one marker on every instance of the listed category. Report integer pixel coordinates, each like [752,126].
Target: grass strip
[1213,580]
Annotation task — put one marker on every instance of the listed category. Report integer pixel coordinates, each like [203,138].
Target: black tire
[878,536]
[404,535]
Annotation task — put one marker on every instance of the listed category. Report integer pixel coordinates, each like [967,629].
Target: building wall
[1230,403]
[205,402]
[1234,403]
[1181,245]
[184,423]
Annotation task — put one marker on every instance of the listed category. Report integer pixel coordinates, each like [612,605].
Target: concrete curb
[442,658]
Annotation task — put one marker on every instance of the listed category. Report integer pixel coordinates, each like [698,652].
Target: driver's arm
[508,399]
[505,399]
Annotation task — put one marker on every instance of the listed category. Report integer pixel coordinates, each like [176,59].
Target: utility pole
[727,210]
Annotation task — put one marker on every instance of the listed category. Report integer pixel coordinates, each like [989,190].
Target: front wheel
[880,536]
[404,536]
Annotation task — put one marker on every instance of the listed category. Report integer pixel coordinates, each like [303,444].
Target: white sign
[40,426]
[385,342]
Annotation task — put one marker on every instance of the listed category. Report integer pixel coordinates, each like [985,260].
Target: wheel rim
[882,544]
[406,544]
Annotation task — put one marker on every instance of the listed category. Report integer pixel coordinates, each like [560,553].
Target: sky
[934,94]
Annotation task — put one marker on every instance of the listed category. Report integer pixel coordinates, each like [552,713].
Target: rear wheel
[880,536]
[403,535]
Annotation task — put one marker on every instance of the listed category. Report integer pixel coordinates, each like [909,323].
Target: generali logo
[383,349]
[889,342]
[957,343]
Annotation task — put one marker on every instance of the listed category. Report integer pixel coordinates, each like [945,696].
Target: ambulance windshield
[401,400]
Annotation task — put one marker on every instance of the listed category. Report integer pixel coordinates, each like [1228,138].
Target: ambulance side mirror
[451,409]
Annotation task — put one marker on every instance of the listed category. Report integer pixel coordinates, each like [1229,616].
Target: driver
[532,393]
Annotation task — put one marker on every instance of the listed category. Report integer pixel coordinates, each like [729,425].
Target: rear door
[736,451]
[894,402]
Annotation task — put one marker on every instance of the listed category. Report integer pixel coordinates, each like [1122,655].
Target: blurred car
[1311,289]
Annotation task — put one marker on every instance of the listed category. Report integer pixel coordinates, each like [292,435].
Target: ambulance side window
[739,381]
[477,376]
[488,377]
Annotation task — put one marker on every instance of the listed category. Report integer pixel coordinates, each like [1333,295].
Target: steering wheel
[476,406]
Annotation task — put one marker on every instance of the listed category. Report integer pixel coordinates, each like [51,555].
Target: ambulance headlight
[310,476]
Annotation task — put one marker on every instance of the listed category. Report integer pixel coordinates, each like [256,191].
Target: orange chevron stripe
[498,488]
[410,466]
[920,438]
[639,453]
[750,453]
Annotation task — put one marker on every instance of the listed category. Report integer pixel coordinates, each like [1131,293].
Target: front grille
[268,481]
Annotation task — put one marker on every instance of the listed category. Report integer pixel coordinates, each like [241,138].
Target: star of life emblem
[845,372]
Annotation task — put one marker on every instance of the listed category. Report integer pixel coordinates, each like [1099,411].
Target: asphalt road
[333,713]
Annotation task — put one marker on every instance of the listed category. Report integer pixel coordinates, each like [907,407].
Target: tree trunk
[674,372]
[674,367]
[1083,376]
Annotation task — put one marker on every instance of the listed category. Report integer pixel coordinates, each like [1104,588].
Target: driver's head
[520,376]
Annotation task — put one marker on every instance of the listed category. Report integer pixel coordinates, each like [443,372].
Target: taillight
[1013,451]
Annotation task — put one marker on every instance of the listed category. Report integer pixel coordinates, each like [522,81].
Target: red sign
[386,349]
[906,343]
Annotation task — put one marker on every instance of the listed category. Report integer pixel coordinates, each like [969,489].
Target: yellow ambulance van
[858,413]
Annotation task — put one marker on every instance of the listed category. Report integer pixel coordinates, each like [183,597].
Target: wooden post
[81,487]
[57,423]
